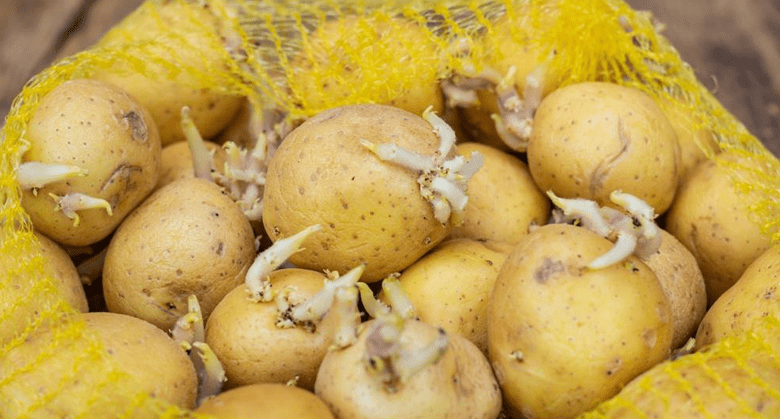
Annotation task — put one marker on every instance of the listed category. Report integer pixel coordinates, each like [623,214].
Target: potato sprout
[34,175]
[389,359]
[443,181]
[189,333]
[257,285]
[75,201]
[635,233]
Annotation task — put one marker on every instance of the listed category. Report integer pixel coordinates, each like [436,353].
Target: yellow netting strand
[272,53]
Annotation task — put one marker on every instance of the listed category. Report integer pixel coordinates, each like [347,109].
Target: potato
[103,131]
[504,201]
[458,385]
[62,269]
[162,91]
[244,336]
[682,281]
[70,369]
[755,295]
[341,73]
[712,221]
[736,378]
[592,138]
[177,161]
[450,286]
[371,211]
[186,238]
[271,401]
[563,338]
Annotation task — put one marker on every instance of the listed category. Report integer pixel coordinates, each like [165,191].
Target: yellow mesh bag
[271,52]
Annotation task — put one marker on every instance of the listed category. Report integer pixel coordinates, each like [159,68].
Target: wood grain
[734,47]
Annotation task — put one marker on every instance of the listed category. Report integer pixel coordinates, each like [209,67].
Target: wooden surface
[734,46]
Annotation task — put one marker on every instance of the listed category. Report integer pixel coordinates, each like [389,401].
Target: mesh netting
[304,57]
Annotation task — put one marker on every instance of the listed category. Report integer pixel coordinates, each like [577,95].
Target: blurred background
[734,47]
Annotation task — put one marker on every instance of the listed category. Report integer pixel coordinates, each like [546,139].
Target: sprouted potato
[93,156]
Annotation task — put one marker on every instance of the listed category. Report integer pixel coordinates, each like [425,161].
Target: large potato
[710,218]
[563,338]
[371,211]
[187,238]
[101,129]
[590,139]
[753,296]
[88,368]
[504,201]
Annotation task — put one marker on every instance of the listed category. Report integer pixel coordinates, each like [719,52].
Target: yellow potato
[590,139]
[458,385]
[683,283]
[504,201]
[186,238]
[136,358]
[165,94]
[713,222]
[753,296]
[563,338]
[104,131]
[64,272]
[450,286]
[271,401]
[244,335]
[371,211]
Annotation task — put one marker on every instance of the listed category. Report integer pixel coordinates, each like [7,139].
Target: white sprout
[202,161]
[633,231]
[34,175]
[443,181]
[257,284]
[313,309]
[399,300]
[347,317]
[72,202]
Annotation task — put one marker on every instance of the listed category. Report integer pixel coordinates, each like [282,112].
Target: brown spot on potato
[548,268]
[137,126]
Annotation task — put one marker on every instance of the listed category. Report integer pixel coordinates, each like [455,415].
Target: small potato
[755,295]
[187,238]
[177,161]
[61,267]
[683,283]
[244,336]
[590,139]
[160,31]
[714,223]
[269,401]
[562,337]
[504,201]
[111,356]
[103,131]
[450,286]
[459,385]
[371,211]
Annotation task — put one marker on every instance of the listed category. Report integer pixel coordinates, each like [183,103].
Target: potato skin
[713,222]
[271,401]
[187,238]
[100,128]
[67,277]
[244,336]
[459,385]
[590,139]
[450,286]
[370,211]
[682,281]
[110,355]
[755,295]
[503,201]
[579,334]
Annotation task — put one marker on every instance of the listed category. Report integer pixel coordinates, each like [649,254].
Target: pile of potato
[528,254]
